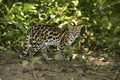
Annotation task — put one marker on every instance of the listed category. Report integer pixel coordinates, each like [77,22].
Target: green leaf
[28,7]
[0,0]
[78,13]
[37,60]
[75,2]
[25,63]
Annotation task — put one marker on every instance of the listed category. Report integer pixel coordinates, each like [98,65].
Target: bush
[100,19]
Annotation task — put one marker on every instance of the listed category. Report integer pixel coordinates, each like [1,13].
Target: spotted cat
[40,36]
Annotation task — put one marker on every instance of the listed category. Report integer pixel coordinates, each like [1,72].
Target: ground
[13,68]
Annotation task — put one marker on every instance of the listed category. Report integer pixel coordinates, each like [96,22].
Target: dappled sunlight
[92,51]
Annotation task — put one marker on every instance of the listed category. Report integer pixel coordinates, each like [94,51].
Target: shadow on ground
[11,68]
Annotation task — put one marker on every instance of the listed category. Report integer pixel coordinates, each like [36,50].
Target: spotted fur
[38,37]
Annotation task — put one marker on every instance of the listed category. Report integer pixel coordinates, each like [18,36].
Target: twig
[32,67]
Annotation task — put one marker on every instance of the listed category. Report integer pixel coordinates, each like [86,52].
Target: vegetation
[101,20]
[96,49]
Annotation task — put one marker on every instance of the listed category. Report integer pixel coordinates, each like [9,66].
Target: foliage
[100,19]
[14,22]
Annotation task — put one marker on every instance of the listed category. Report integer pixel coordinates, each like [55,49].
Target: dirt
[13,68]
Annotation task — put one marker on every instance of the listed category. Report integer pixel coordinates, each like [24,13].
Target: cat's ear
[80,27]
[70,26]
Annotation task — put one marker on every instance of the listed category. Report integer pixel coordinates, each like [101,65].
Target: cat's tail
[26,46]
